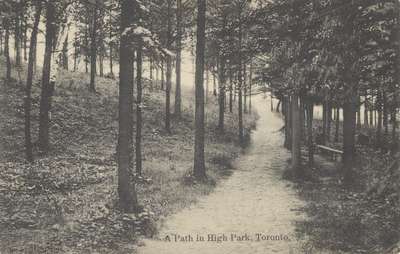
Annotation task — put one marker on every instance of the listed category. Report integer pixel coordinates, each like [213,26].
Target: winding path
[254,200]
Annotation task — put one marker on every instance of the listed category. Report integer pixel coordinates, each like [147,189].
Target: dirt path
[254,200]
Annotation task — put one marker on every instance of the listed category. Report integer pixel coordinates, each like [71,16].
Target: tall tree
[138,145]
[169,68]
[28,90]
[126,189]
[178,98]
[93,48]
[7,49]
[45,99]
[199,169]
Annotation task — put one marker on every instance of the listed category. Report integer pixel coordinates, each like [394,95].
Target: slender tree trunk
[207,83]
[371,117]
[324,122]
[214,81]
[328,120]
[199,169]
[385,114]
[45,99]
[302,111]
[126,189]
[278,105]
[288,122]
[111,59]
[358,124]
[230,91]
[162,75]
[93,50]
[366,122]
[379,124]
[17,40]
[250,86]
[138,145]
[76,53]
[87,46]
[240,87]
[272,104]
[296,136]
[310,138]
[25,38]
[151,68]
[7,50]
[337,124]
[1,39]
[169,71]
[29,81]
[221,95]
[168,95]
[111,46]
[244,88]
[65,54]
[178,57]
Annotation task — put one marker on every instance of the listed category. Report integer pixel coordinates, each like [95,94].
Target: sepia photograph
[199,126]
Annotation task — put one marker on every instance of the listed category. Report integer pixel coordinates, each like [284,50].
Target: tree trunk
[221,95]
[162,75]
[358,122]
[287,109]
[139,62]
[111,59]
[385,114]
[93,50]
[240,87]
[17,40]
[371,117]
[101,64]
[328,120]
[169,71]
[76,53]
[214,81]
[324,122]
[244,88]
[349,126]
[250,85]
[45,99]
[1,39]
[65,54]
[168,95]
[272,103]
[379,123]
[178,57]
[337,124]
[279,105]
[151,68]
[310,138]
[230,91]
[25,40]
[199,169]
[126,190]
[111,46]
[207,83]
[7,50]
[29,81]
[296,136]
[366,122]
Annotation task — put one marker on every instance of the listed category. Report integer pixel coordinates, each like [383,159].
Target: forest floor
[254,202]
[362,218]
[66,202]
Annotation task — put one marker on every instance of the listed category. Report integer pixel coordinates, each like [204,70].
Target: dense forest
[115,114]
